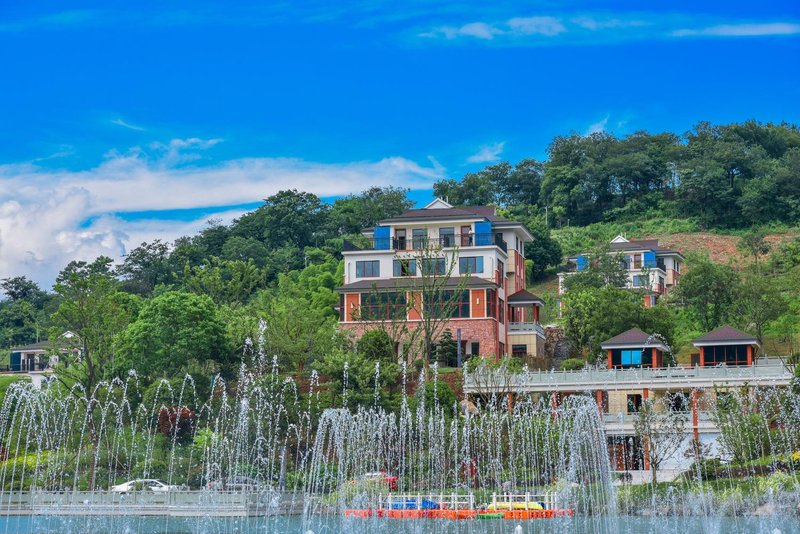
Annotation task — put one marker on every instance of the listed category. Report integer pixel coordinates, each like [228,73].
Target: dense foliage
[723,174]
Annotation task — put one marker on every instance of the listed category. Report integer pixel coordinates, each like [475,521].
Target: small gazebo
[634,348]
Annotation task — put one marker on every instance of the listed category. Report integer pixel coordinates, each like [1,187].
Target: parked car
[377,477]
[145,484]
[237,483]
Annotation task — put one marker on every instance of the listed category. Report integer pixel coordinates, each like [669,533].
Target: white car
[144,484]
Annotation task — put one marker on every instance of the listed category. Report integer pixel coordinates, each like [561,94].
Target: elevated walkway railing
[772,372]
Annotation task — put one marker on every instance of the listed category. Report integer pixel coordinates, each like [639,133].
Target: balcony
[765,373]
[525,328]
[423,243]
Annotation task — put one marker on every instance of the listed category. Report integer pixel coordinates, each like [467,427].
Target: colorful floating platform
[458,514]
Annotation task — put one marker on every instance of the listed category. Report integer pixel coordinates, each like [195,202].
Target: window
[400,239]
[501,309]
[491,296]
[634,403]
[677,266]
[475,348]
[470,264]
[368,269]
[677,402]
[639,280]
[341,307]
[448,303]
[637,261]
[501,267]
[419,237]
[433,266]
[725,354]
[631,357]
[405,267]
[382,306]
[447,236]
[502,349]
[519,350]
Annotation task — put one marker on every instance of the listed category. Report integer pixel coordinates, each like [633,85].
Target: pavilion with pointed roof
[635,348]
[726,346]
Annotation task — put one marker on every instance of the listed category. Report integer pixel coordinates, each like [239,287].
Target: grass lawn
[7,380]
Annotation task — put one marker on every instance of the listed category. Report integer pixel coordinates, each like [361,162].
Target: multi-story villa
[648,266]
[482,257]
[634,371]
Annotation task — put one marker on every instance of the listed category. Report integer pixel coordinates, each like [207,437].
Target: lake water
[331,525]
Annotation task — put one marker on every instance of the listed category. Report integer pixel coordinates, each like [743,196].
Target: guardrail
[497,381]
[169,503]
[424,243]
[520,327]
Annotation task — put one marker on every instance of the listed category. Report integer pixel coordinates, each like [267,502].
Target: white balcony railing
[770,373]
[525,328]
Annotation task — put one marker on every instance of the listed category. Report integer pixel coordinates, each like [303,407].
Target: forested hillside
[189,306]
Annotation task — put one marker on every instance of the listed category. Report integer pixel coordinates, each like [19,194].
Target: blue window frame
[631,357]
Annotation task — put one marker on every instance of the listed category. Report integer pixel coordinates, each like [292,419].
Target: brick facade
[484,331]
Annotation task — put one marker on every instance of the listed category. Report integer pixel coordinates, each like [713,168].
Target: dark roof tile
[725,334]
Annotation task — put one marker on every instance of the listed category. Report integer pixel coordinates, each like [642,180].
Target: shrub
[572,364]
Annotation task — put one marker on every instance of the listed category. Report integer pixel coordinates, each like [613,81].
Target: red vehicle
[377,476]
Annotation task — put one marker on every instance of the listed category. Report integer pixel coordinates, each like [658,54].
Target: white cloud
[741,30]
[548,26]
[597,127]
[487,153]
[599,27]
[49,217]
[120,122]
[476,30]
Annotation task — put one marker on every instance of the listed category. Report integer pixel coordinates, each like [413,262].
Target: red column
[600,405]
[554,402]
[749,354]
[536,314]
[702,356]
[694,416]
[510,402]
[654,358]
[645,393]
[610,365]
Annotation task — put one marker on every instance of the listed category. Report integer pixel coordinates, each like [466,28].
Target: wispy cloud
[487,153]
[120,122]
[594,28]
[741,30]
[597,127]
[49,217]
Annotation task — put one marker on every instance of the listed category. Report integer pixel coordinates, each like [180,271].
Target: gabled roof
[411,282]
[442,213]
[524,297]
[725,335]
[40,346]
[634,338]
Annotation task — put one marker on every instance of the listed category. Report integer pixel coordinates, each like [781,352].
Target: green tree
[353,213]
[145,267]
[93,311]
[587,321]
[708,292]
[759,301]
[171,331]
[753,244]
[376,345]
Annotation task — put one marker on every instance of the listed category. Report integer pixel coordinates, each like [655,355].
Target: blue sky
[126,121]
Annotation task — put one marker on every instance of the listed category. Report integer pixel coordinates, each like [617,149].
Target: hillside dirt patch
[720,248]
